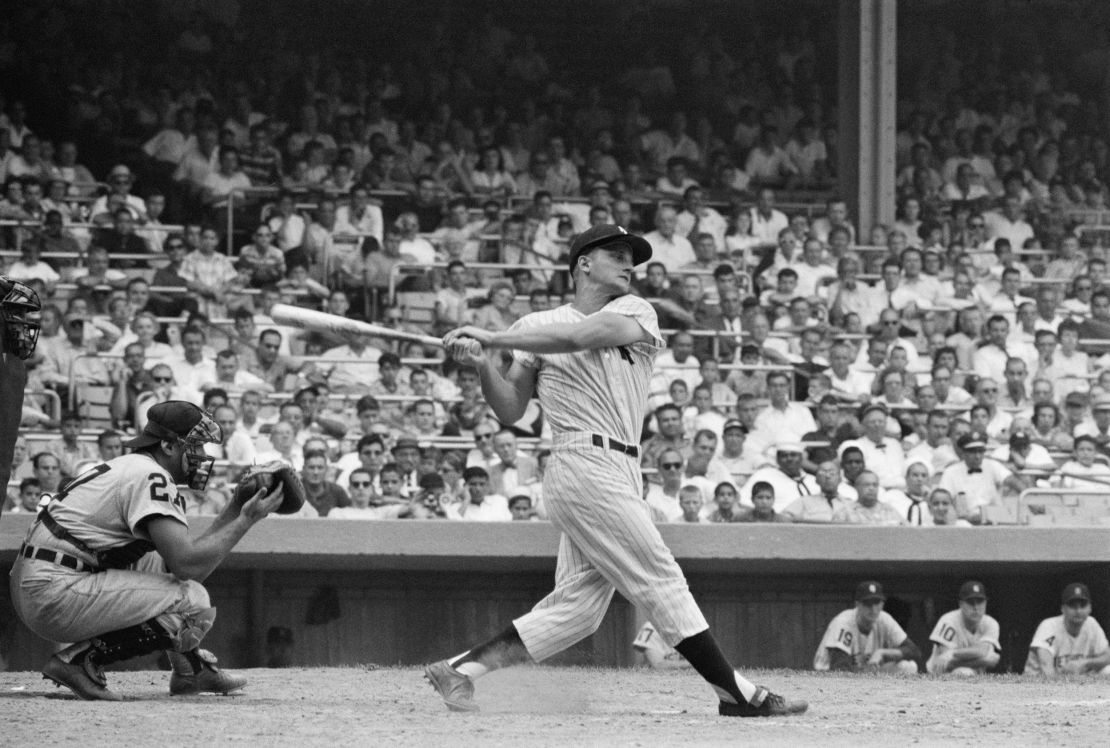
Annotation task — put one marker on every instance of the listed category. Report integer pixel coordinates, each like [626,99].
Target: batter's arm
[601,330]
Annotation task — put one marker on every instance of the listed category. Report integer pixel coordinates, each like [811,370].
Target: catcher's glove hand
[273,476]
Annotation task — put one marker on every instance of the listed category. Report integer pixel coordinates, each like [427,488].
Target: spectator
[820,507]
[479,505]
[662,495]
[69,449]
[669,247]
[868,510]
[322,494]
[763,506]
[786,477]
[975,482]
[725,498]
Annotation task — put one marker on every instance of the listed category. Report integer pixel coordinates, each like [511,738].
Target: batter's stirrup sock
[701,651]
[501,651]
[129,642]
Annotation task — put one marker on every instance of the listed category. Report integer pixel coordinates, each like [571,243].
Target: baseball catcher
[19,333]
[110,565]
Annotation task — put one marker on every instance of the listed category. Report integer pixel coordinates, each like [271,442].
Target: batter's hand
[467,345]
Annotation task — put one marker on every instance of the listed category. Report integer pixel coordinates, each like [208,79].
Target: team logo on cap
[976,588]
[872,588]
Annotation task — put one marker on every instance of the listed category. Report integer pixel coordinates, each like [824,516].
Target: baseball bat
[309,319]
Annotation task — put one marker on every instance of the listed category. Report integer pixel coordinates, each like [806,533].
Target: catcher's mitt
[271,476]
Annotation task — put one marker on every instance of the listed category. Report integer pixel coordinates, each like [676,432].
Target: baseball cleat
[82,676]
[186,680]
[763,704]
[456,689]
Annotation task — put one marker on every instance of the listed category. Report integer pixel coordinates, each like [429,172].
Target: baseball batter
[965,641]
[590,363]
[86,574]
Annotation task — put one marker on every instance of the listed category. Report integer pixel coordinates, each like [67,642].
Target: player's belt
[606,443]
[55,557]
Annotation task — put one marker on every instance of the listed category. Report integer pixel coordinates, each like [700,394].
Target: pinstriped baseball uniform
[594,494]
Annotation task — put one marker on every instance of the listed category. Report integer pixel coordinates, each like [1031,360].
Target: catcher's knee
[187,630]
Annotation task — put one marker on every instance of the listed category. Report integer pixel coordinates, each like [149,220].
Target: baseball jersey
[105,506]
[952,633]
[601,391]
[843,633]
[1053,635]
[649,640]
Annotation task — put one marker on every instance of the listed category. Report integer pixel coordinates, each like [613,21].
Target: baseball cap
[1075,398]
[176,419]
[1075,591]
[1102,402]
[432,482]
[733,423]
[605,234]
[972,590]
[869,591]
[973,440]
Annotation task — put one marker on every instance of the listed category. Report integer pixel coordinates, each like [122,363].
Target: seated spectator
[725,499]
[236,447]
[662,496]
[520,505]
[266,261]
[670,248]
[966,641]
[819,508]
[1085,461]
[231,377]
[69,449]
[30,265]
[321,493]
[868,510]
[786,477]
[1072,643]
[690,502]
[497,315]
[975,482]
[763,506]
[48,472]
[768,164]
[26,499]
[866,638]
[698,218]
[675,181]
[120,181]
[912,502]
[479,504]
[943,509]
[365,503]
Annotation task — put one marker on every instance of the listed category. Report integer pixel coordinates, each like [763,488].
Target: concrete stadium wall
[409,592]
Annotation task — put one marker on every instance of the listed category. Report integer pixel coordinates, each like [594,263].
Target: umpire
[110,564]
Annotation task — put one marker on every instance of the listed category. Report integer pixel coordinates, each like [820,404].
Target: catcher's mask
[182,422]
[21,312]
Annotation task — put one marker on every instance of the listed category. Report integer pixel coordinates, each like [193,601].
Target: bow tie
[973,471]
[880,446]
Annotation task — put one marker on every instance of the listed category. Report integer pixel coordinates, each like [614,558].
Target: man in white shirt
[766,221]
[812,270]
[989,359]
[786,477]
[479,505]
[232,378]
[350,368]
[192,369]
[881,454]
[976,482]
[698,218]
[667,245]
[1010,223]
[846,382]
[783,420]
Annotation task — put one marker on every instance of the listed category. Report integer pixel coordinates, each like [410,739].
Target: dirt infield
[556,706]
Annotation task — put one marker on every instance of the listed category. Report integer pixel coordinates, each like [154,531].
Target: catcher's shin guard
[133,641]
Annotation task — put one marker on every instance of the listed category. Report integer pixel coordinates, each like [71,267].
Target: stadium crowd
[162,200]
